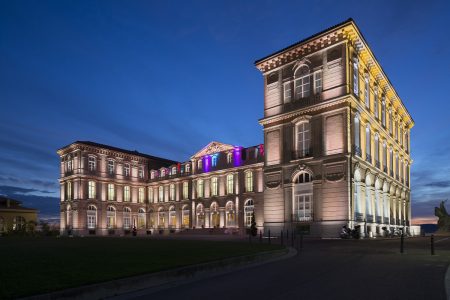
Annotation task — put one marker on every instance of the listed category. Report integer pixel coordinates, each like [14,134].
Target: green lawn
[38,265]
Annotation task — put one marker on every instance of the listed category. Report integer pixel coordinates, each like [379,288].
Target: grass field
[38,265]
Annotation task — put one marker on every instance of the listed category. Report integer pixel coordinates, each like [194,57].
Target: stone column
[207,218]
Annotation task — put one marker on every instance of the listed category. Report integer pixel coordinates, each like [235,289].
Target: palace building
[336,152]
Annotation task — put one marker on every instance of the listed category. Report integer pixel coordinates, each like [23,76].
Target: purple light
[237,156]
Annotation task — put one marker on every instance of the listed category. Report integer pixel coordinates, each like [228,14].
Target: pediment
[211,148]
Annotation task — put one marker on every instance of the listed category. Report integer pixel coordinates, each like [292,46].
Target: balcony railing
[368,158]
[385,170]
[68,173]
[357,150]
[298,218]
[379,219]
[391,173]
[297,154]
[369,218]
[393,221]
[359,217]
[397,177]
[386,220]
[377,164]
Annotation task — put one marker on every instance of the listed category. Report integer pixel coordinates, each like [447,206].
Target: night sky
[168,77]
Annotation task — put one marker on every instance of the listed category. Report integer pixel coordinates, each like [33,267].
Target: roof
[349,20]
[131,152]
[14,204]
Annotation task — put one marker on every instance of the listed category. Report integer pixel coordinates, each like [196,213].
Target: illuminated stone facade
[336,152]
[107,190]
[330,112]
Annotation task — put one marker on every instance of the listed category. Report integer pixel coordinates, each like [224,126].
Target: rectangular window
[383,112]
[302,207]
[249,181]
[230,184]
[150,194]
[126,170]
[384,158]
[368,145]
[161,194]
[318,82]
[303,139]
[69,190]
[302,87]
[287,91]
[91,163]
[111,192]
[141,172]
[185,190]
[390,122]
[214,160]
[126,193]
[355,78]
[367,92]
[91,190]
[375,103]
[214,186]
[110,167]
[200,188]
[141,195]
[172,192]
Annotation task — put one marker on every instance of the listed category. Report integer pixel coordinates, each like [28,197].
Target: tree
[253,229]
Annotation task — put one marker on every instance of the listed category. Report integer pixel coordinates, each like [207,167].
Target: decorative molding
[211,148]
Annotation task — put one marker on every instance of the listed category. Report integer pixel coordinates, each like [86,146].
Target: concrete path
[329,269]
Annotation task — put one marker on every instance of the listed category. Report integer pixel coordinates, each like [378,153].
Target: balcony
[379,219]
[68,173]
[368,158]
[377,164]
[386,220]
[397,177]
[385,170]
[369,218]
[393,221]
[357,150]
[299,218]
[391,173]
[359,217]
[301,154]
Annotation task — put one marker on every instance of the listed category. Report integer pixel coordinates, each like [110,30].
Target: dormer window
[152,174]
[187,168]
[69,163]
[199,164]
[91,163]
[141,172]
[163,172]
[174,170]
[214,160]
[229,158]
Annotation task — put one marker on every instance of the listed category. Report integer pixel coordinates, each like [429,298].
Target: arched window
[172,192]
[161,194]
[301,82]
[151,215]
[214,186]
[91,217]
[126,193]
[110,217]
[126,218]
[249,181]
[230,214]
[141,195]
[172,217]
[161,217]
[200,216]
[302,197]
[200,188]
[199,164]
[141,218]
[230,184]
[174,171]
[187,168]
[215,217]
[357,136]
[248,212]
[302,139]
[92,163]
[163,172]
[153,174]
[126,170]
[214,160]
[391,162]
[185,216]
[91,189]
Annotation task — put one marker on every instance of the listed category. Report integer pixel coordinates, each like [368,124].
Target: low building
[13,216]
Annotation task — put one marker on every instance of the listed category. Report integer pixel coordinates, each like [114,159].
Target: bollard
[260,236]
[401,243]
[281,237]
[432,244]
[269,236]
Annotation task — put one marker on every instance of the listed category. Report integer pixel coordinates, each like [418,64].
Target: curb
[158,280]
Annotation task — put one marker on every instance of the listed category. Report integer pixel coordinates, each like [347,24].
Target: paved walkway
[330,269]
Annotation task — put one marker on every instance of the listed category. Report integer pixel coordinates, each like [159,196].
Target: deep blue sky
[168,77]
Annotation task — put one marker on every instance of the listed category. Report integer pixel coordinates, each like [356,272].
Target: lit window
[152,174]
[383,111]
[302,82]
[110,217]
[69,164]
[248,212]
[230,214]
[375,103]
[367,92]
[185,190]
[126,170]
[126,218]
[200,188]
[91,190]
[126,193]
[172,217]
[185,216]
[214,186]
[111,192]
[214,160]
[69,190]
[357,136]
[355,77]
[303,178]
[318,82]
[111,167]
[141,172]
[161,194]
[230,184]
[287,92]
[163,172]
[172,192]
[303,137]
[368,145]
[229,158]
[141,219]
[141,195]
[249,181]
[91,217]
[199,164]
[384,157]
[91,163]
[174,170]
[150,194]
[187,168]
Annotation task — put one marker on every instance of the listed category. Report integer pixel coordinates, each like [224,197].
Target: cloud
[47,184]
[14,190]
[441,184]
